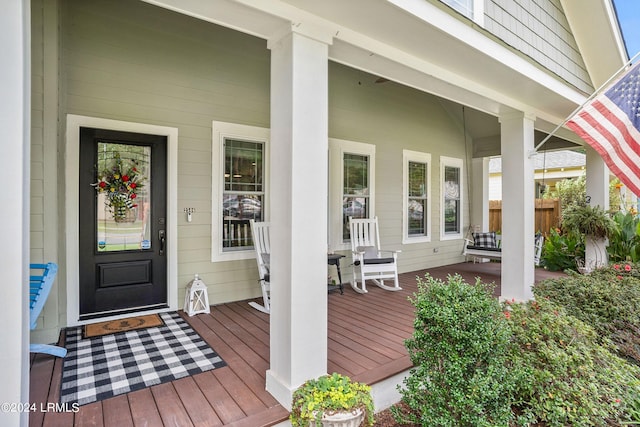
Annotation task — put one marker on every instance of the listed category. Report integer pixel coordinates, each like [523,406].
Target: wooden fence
[547,215]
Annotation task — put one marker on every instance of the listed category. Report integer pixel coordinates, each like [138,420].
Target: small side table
[334,259]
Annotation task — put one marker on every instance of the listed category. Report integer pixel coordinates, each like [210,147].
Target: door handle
[162,238]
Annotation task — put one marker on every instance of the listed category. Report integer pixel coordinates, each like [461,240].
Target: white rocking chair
[368,259]
[262,246]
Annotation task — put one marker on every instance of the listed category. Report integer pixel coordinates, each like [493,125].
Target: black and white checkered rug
[106,366]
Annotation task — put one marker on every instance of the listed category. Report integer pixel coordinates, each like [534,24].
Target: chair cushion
[379,260]
[485,240]
[484,248]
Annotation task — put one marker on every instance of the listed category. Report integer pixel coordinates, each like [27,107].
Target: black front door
[123,263]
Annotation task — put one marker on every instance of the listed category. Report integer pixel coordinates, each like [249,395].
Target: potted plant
[596,225]
[332,401]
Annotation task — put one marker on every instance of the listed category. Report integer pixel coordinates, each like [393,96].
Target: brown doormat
[122,325]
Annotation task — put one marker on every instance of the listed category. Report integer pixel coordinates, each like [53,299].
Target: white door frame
[72,141]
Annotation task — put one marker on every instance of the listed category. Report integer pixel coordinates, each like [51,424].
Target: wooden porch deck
[365,336]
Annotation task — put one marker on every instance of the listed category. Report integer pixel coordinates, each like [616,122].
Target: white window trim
[419,157]
[72,160]
[478,12]
[222,130]
[337,149]
[452,162]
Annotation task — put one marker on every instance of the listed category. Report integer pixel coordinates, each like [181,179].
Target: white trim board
[72,141]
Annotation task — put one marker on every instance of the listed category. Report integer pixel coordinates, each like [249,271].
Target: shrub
[590,220]
[574,192]
[624,242]
[569,377]
[560,251]
[570,191]
[458,349]
[607,299]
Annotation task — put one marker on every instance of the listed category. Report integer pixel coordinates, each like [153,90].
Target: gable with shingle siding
[540,30]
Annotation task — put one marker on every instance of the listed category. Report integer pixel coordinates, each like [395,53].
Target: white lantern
[196,299]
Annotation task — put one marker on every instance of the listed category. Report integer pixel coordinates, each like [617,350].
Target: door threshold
[120,314]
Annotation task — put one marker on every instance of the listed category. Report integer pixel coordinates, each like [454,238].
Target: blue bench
[40,283]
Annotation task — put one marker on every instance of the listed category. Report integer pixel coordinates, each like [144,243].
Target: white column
[518,197]
[14,222]
[595,251]
[299,153]
[597,179]
[480,193]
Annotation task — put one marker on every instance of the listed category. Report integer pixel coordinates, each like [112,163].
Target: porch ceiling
[412,42]
[424,38]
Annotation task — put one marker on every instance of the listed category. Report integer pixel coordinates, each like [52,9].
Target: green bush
[479,363]
[607,299]
[560,251]
[459,352]
[569,376]
[624,242]
[589,220]
[570,191]
[573,191]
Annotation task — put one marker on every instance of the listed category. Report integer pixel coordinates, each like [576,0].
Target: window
[472,9]
[416,197]
[243,191]
[351,187]
[355,189]
[239,186]
[451,179]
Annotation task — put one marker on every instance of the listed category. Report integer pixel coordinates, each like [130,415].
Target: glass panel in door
[124,195]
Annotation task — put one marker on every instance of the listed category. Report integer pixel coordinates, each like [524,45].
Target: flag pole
[593,95]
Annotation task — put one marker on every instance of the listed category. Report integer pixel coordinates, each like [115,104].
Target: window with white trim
[472,9]
[416,197]
[239,188]
[351,187]
[451,194]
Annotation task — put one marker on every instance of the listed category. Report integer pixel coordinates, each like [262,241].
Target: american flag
[610,123]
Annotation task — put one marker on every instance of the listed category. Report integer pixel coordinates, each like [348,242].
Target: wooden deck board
[223,404]
[117,412]
[366,336]
[241,359]
[143,408]
[91,415]
[240,391]
[59,419]
[42,370]
[172,411]
[372,352]
[195,403]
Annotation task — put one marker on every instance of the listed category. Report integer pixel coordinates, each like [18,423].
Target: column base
[282,392]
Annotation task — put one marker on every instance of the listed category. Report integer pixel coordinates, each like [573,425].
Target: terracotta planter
[341,419]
